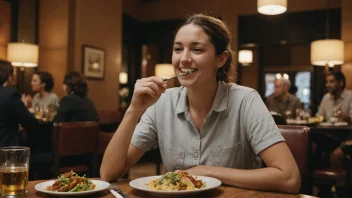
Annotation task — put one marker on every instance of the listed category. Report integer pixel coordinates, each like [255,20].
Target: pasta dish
[71,182]
[173,181]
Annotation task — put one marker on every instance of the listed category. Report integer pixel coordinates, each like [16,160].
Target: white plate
[341,124]
[326,124]
[142,184]
[334,124]
[99,186]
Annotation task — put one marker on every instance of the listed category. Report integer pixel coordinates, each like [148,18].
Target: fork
[183,74]
[118,190]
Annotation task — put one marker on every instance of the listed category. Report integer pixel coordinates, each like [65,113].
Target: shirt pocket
[173,159]
[226,156]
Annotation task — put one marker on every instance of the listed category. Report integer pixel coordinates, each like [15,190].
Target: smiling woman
[208,126]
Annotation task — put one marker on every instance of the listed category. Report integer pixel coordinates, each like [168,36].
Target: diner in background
[208,126]
[336,105]
[42,84]
[281,101]
[75,106]
[12,110]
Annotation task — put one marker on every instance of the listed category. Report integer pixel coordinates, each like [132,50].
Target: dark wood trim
[71,36]
[261,81]
[14,20]
[36,18]
[288,68]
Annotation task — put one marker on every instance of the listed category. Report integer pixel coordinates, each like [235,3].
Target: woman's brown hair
[76,84]
[220,37]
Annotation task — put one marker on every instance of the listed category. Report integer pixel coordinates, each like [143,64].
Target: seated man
[281,101]
[338,102]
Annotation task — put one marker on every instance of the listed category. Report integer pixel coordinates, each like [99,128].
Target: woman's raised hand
[146,92]
[27,100]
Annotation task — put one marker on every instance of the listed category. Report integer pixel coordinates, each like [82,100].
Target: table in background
[331,129]
[222,192]
[336,133]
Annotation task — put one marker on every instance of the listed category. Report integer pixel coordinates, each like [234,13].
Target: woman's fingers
[153,86]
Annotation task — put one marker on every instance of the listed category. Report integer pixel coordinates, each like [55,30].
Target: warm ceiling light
[245,57]
[278,76]
[272,7]
[327,52]
[23,54]
[164,70]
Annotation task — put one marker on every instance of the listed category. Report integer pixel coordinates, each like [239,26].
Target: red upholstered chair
[75,147]
[324,179]
[109,120]
[104,139]
[298,139]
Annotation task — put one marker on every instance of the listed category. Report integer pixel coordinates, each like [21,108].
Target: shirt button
[195,155]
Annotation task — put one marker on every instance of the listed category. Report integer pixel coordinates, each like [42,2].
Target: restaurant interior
[113,43]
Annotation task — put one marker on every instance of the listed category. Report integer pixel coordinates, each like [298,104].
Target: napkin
[116,194]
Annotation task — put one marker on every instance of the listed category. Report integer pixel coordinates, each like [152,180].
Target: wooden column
[346,7]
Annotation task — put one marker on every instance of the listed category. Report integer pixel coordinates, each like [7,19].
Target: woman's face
[37,85]
[193,50]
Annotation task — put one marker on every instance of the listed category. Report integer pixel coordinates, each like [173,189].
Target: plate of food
[326,124]
[70,184]
[340,123]
[177,183]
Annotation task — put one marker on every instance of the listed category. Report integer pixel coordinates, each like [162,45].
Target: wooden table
[222,191]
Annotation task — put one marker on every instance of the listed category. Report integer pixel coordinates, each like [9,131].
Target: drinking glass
[39,111]
[14,164]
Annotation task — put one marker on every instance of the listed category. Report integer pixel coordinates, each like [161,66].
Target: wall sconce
[272,7]
[164,70]
[245,57]
[123,78]
[23,55]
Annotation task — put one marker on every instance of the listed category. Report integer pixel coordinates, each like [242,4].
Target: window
[269,84]
[302,82]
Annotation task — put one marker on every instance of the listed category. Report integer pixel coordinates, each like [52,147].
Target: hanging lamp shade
[327,52]
[245,57]
[272,7]
[23,54]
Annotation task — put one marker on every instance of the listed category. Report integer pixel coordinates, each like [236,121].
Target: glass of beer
[14,164]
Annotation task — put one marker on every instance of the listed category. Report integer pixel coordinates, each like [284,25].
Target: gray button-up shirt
[50,99]
[328,105]
[236,130]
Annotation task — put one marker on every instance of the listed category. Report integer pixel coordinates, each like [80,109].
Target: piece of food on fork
[184,73]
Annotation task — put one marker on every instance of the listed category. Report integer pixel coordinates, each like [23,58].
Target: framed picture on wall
[93,62]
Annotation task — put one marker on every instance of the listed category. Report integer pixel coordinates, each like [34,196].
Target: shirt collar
[219,104]
[343,95]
